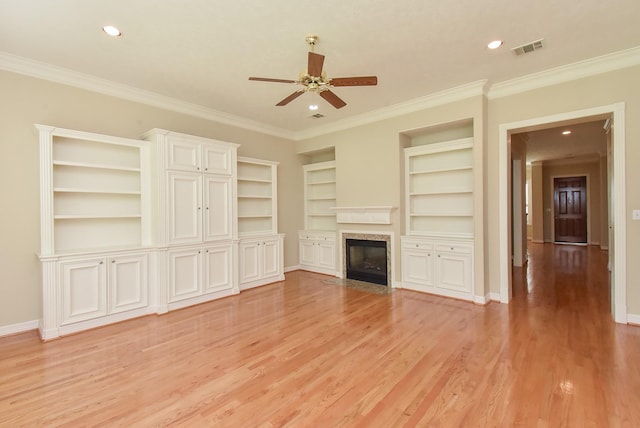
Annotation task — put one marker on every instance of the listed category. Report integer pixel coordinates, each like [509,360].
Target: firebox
[366,260]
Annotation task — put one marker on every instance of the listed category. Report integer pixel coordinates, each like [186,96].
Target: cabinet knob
[438,255]
[417,245]
[198,168]
[451,248]
[206,169]
[207,208]
[101,263]
[113,261]
[199,208]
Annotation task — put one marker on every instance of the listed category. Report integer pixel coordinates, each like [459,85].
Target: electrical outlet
[636,214]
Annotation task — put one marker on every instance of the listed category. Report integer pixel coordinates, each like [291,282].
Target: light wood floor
[304,353]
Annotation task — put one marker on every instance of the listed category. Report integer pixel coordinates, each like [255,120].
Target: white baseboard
[633,319]
[481,300]
[18,328]
[291,268]
[494,297]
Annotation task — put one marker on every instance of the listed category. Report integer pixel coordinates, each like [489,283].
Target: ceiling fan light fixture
[567,132]
[495,44]
[112,31]
[313,107]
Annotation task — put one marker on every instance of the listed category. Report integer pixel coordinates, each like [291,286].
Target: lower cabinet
[317,251]
[438,266]
[90,290]
[101,286]
[198,274]
[261,260]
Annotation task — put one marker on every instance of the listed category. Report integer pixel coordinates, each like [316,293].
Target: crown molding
[565,73]
[432,100]
[40,70]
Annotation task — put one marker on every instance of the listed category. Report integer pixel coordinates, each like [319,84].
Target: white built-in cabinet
[317,242]
[261,248]
[96,229]
[317,251]
[196,218]
[132,227]
[437,251]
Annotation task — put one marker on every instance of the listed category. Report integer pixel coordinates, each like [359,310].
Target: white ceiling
[203,51]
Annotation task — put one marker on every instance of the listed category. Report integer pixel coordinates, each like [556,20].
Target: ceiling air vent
[317,116]
[528,48]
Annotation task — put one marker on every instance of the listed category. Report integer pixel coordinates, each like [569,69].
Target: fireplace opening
[366,260]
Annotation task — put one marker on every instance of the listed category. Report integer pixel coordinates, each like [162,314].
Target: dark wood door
[570,204]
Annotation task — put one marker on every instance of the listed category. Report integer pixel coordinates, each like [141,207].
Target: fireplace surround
[370,253]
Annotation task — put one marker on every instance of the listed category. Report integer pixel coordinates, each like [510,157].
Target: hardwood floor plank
[306,353]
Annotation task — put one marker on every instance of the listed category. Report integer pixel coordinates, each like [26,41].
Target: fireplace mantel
[363,215]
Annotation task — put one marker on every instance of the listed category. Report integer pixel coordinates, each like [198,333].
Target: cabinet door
[326,254]
[185,208]
[454,271]
[308,255]
[218,267]
[217,160]
[249,261]
[184,274]
[128,285]
[183,155]
[84,289]
[417,266]
[217,208]
[270,258]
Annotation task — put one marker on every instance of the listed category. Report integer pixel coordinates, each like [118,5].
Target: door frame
[618,200]
[553,203]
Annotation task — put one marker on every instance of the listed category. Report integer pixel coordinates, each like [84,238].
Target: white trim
[494,297]
[65,76]
[18,328]
[633,319]
[565,73]
[589,67]
[619,281]
[363,215]
[447,96]
[292,268]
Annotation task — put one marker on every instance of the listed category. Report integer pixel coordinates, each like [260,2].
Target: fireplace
[366,260]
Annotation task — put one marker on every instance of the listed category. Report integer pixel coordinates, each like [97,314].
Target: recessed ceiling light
[313,107]
[566,132]
[112,31]
[495,44]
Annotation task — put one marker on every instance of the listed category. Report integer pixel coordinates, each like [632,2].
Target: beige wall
[26,101]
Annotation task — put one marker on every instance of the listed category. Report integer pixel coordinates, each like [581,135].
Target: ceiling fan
[313,79]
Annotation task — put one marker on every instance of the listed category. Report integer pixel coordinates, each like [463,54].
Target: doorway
[570,209]
[615,112]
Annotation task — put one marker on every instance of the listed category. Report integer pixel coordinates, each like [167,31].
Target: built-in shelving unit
[94,191]
[320,196]
[439,188]
[257,197]
[437,251]
[95,216]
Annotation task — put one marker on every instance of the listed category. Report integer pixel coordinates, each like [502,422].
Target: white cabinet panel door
[217,160]
[84,289]
[249,261]
[454,272]
[218,269]
[184,274]
[217,208]
[128,284]
[270,258]
[417,267]
[185,208]
[183,155]
[326,254]
[307,253]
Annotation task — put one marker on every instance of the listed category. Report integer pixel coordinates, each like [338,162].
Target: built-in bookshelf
[95,191]
[439,188]
[320,196]
[257,197]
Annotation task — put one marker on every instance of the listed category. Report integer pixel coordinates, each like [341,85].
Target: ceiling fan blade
[354,81]
[266,79]
[314,67]
[290,98]
[333,99]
